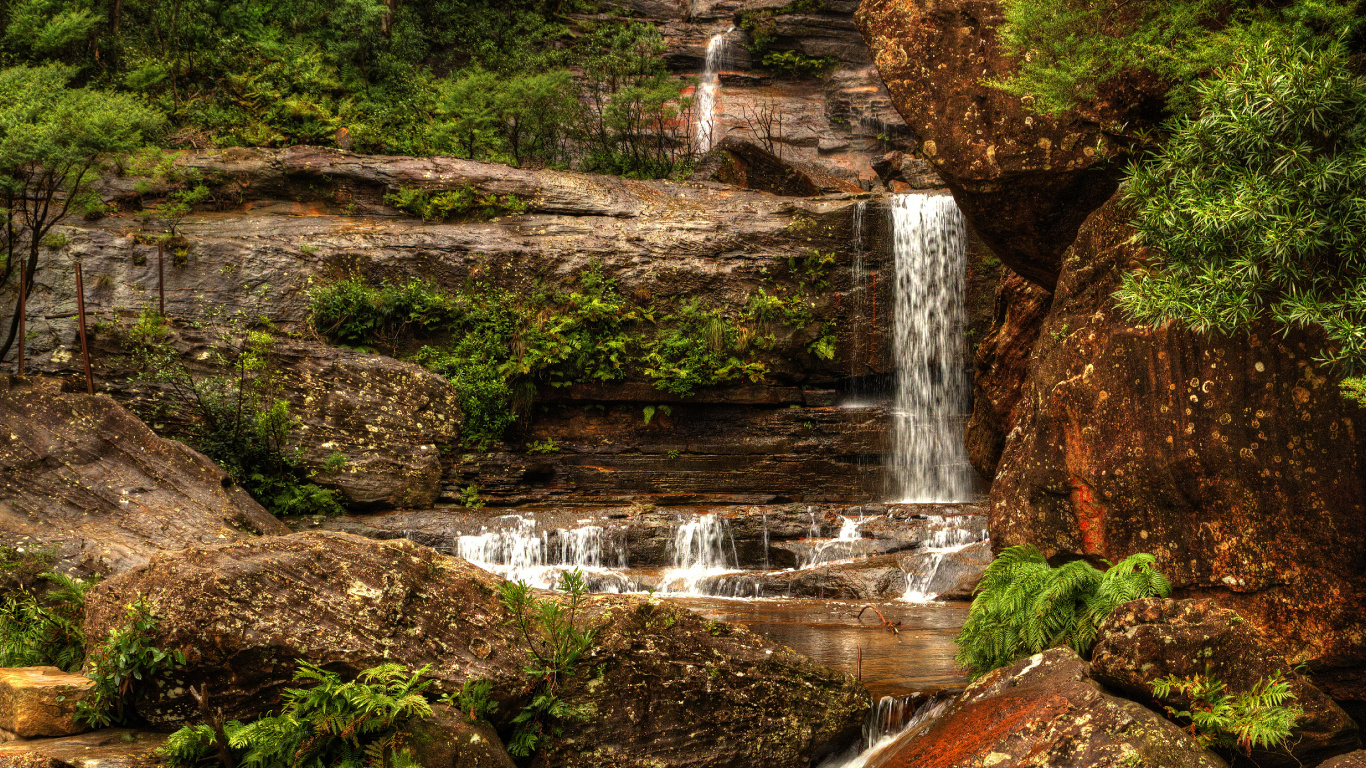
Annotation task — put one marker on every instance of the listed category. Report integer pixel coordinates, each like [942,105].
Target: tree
[51,139]
[1255,205]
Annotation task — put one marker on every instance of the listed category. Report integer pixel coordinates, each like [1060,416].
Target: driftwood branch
[215,720]
[892,625]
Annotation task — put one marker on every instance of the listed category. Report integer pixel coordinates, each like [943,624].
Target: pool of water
[917,658]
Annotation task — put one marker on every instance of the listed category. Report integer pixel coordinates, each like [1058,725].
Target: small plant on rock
[1024,606]
[44,630]
[1260,718]
[121,666]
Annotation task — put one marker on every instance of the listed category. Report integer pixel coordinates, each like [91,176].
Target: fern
[1024,606]
[1260,718]
[44,631]
[358,724]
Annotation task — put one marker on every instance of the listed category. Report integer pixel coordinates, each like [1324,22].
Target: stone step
[40,701]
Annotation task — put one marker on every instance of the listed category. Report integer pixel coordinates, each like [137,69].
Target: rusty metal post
[80,313]
[23,306]
[161,278]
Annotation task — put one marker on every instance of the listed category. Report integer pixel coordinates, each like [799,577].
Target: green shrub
[1260,718]
[795,65]
[1024,606]
[555,638]
[474,700]
[44,630]
[360,723]
[121,667]
[355,313]
[1254,205]
[466,201]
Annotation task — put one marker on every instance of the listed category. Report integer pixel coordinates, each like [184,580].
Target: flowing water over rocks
[709,89]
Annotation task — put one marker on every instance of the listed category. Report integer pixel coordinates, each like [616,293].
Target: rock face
[40,701]
[1147,639]
[448,739]
[1026,182]
[245,614]
[82,474]
[1046,711]
[1234,460]
[677,691]
[1354,760]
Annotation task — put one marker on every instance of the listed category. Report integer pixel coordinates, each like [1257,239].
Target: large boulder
[246,614]
[1045,711]
[1235,460]
[1024,181]
[448,739]
[40,701]
[1144,640]
[85,476]
[1353,760]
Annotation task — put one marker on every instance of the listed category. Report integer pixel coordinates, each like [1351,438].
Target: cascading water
[521,553]
[708,89]
[929,460]
[890,718]
[702,548]
[945,537]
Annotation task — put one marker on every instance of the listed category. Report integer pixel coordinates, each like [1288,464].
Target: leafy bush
[474,700]
[232,412]
[121,666]
[355,313]
[439,206]
[359,723]
[1254,205]
[795,65]
[44,630]
[1260,718]
[1024,606]
[555,640]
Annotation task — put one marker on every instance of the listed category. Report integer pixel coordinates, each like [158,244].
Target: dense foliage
[1255,203]
[1069,50]
[1024,606]
[497,347]
[1259,718]
[333,724]
[43,628]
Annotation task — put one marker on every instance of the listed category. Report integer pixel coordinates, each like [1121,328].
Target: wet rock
[868,578]
[40,701]
[947,575]
[1024,181]
[107,748]
[85,476]
[1352,760]
[387,420]
[1152,638]
[448,739]
[245,614]
[749,166]
[914,172]
[676,691]
[1235,460]
[1002,364]
[1046,711]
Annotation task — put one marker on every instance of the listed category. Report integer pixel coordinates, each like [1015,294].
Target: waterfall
[929,459]
[701,548]
[946,536]
[861,331]
[708,89]
[890,718]
[521,553]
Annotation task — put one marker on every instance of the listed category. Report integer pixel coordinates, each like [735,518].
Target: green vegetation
[474,700]
[52,138]
[1024,606]
[1069,50]
[1260,718]
[497,347]
[232,412]
[121,667]
[547,445]
[1255,204]
[761,27]
[794,65]
[355,724]
[555,640]
[42,628]
[462,202]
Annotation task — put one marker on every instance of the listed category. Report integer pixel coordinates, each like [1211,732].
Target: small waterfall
[703,547]
[945,537]
[890,718]
[521,553]
[861,331]
[929,461]
[708,89]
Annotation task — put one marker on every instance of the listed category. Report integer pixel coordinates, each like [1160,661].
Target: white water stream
[929,460]
[708,89]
